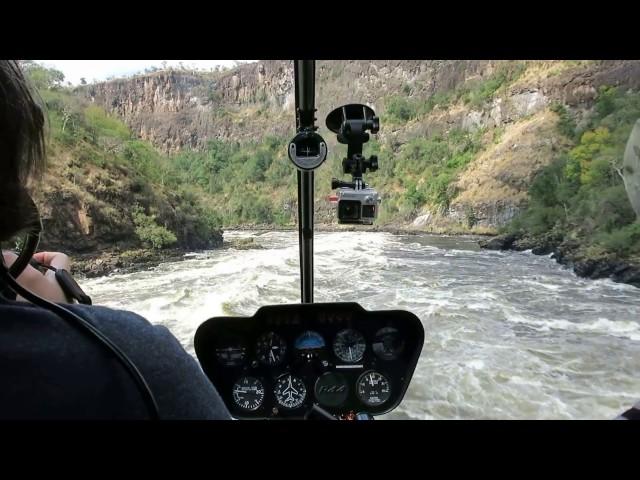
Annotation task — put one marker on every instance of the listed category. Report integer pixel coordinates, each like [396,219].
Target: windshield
[507,206]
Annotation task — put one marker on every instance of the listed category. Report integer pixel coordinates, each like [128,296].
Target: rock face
[618,271]
[568,253]
[495,185]
[422,220]
[180,109]
[176,109]
[91,212]
[501,242]
[109,262]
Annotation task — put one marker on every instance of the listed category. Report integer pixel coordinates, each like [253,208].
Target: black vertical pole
[304,72]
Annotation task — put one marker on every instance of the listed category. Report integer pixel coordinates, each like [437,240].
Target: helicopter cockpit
[302,361]
[324,360]
[334,361]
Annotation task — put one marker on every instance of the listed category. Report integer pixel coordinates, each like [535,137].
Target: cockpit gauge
[231,352]
[290,391]
[306,360]
[309,340]
[388,343]
[271,349]
[248,393]
[331,389]
[373,388]
[309,345]
[349,345]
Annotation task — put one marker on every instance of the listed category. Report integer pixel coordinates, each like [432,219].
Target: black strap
[68,284]
[71,287]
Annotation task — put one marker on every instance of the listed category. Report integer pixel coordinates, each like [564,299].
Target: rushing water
[508,335]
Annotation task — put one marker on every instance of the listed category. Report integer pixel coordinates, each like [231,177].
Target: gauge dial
[349,346]
[309,345]
[388,343]
[309,340]
[331,389]
[290,391]
[248,393]
[271,349]
[373,388]
[231,352]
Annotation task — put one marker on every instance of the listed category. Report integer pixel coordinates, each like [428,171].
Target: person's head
[22,148]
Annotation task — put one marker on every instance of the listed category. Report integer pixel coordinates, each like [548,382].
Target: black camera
[357,202]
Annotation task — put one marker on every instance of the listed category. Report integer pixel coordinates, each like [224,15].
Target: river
[508,335]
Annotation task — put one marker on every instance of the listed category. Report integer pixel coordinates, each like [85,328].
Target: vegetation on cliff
[98,172]
[254,182]
[580,196]
[465,150]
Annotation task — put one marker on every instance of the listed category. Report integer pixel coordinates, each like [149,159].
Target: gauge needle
[273,357]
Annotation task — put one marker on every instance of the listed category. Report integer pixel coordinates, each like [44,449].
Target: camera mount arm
[350,123]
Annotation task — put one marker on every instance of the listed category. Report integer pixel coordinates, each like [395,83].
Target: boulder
[501,242]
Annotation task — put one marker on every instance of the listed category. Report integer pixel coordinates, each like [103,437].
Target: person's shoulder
[123,324]
[178,381]
[107,314]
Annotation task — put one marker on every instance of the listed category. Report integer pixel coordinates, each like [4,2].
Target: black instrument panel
[288,358]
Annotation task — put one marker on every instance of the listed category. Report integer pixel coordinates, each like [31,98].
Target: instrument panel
[288,358]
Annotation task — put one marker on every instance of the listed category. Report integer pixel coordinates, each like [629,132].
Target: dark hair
[22,148]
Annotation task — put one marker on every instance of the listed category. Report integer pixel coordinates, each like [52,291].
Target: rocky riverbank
[566,253]
[395,229]
[120,261]
[571,254]
[127,261]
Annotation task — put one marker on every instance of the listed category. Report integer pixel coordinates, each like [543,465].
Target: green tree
[149,232]
[43,78]
[581,194]
[582,156]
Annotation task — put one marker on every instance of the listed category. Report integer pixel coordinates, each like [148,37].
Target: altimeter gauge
[248,393]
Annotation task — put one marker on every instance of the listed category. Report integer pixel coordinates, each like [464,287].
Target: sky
[74,70]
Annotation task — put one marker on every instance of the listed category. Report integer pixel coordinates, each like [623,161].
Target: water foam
[507,335]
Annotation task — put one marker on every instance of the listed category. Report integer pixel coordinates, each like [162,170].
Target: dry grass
[540,70]
[504,170]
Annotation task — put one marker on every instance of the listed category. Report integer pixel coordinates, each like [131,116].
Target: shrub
[400,109]
[624,241]
[149,232]
[484,90]
[566,123]
[104,124]
[580,193]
